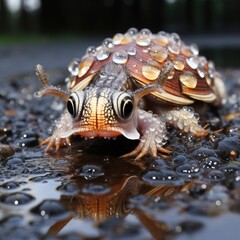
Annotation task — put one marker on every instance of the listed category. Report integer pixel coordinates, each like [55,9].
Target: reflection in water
[111,191]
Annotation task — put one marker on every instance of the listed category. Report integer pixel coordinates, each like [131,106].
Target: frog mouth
[112,132]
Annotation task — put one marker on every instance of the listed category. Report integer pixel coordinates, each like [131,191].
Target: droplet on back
[188,79]
[150,72]
[107,43]
[120,57]
[117,38]
[102,53]
[162,38]
[73,66]
[179,63]
[192,62]
[158,53]
[144,38]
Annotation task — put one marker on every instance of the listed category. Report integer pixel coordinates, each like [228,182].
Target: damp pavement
[87,191]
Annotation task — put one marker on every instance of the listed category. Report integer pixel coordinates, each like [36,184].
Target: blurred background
[52,32]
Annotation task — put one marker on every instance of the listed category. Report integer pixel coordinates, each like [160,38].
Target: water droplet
[132,32]
[162,177]
[179,63]
[171,74]
[132,51]
[175,39]
[117,38]
[215,176]
[188,79]
[102,53]
[150,72]
[107,43]
[174,48]
[162,38]
[95,189]
[194,48]
[49,208]
[143,39]
[91,172]
[192,62]
[158,53]
[201,72]
[73,66]
[10,185]
[16,199]
[211,69]
[211,163]
[91,51]
[186,50]
[189,170]
[85,65]
[120,57]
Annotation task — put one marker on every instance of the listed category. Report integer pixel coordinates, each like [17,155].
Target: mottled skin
[106,90]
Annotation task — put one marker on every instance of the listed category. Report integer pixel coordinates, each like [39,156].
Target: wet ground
[88,192]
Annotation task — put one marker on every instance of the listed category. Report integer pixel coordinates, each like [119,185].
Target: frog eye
[123,105]
[75,103]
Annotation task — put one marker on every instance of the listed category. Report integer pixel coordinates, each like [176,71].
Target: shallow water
[88,192]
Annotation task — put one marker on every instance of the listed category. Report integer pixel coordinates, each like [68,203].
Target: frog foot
[56,142]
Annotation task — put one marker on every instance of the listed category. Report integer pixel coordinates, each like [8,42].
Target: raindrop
[49,208]
[91,172]
[132,32]
[95,189]
[143,38]
[192,62]
[132,51]
[186,50]
[195,49]
[174,48]
[120,57]
[91,51]
[215,176]
[73,66]
[107,43]
[189,170]
[179,63]
[188,79]
[102,53]
[150,72]
[16,199]
[175,39]
[159,53]
[117,39]
[201,72]
[162,38]
[162,177]
[10,185]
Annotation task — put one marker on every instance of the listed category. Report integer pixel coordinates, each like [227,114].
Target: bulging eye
[74,104]
[123,105]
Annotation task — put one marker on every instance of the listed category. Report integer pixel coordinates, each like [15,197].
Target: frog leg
[64,123]
[153,135]
[186,120]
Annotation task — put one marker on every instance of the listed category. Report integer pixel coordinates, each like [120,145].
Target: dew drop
[73,66]
[179,63]
[95,189]
[16,199]
[174,48]
[186,50]
[201,73]
[91,51]
[175,39]
[102,53]
[132,51]
[132,32]
[84,66]
[194,48]
[143,40]
[162,38]
[120,57]
[193,62]
[150,72]
[158,53]
[188,79]
[117,38]
[91,172]
[49,208]
[107,43]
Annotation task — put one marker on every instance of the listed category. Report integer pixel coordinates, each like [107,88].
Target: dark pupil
[71,106]
[126,107]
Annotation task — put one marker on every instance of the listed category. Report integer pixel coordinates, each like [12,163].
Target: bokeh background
[52,32]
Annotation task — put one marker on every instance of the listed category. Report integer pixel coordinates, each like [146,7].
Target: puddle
[88,192]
